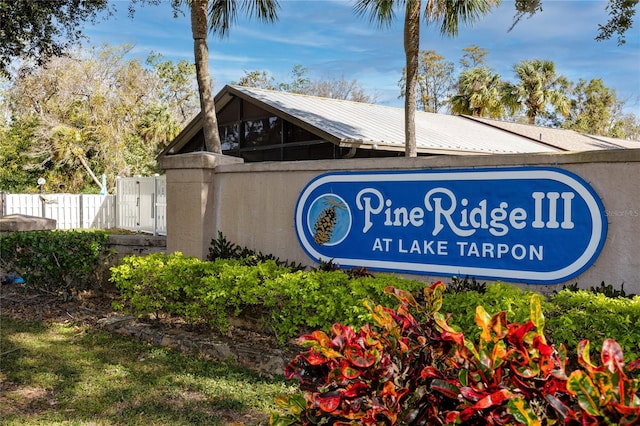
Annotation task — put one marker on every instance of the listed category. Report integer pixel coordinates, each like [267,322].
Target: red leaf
[318,336]
[358,357]
[430,372]
[612,356]
[560,407]
[451,417]
[517,333]
[348,372]
[355,389]
[495,398]
[448,389]
[471,394]
[589,420]
[466,414]
[634,365]
[328,402]
[315,358]
[627,411]
[343,335]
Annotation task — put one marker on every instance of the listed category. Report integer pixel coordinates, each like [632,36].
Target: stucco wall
[253,204]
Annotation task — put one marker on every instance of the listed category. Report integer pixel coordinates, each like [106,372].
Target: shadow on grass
[65,373]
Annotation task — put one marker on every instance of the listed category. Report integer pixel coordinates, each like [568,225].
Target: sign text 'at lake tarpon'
[529,224]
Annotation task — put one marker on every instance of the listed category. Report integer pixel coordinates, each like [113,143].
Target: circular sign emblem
[329,220]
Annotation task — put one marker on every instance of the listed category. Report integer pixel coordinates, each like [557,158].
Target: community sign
[530,224]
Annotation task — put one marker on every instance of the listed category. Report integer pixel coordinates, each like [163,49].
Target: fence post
[154,204]
[116,203]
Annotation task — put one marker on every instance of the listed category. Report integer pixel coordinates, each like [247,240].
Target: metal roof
[568,140]
[375,126]
[369,126]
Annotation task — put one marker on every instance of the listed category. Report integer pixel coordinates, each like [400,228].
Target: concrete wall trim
[441,161]
[196,160]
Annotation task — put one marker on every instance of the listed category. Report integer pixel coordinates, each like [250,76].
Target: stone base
[20,222]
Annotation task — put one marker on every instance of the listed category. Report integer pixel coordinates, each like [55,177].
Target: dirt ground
[18,302]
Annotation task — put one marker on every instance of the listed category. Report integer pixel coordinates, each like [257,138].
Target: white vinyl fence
[139,205]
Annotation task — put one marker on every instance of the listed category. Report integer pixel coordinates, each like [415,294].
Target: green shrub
[584,314]
[221,248]
[59,262]
[289,301]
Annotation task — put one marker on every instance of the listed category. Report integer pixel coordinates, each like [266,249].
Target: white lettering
[500,251]
[517,218]
[567,223]
[499,220]
[518,252]
[427,247]
[440,212]
[552,223]
[487,250]
[364,203]
[442,248]
[497,216]
[537,215]
[377,244]
[478,215]
[535,252]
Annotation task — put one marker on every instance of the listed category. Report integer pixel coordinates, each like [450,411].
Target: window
[229,137]
[266,131]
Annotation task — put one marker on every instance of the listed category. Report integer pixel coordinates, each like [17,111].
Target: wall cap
[442,161]
[196,160]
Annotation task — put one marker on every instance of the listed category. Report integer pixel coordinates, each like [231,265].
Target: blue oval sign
[536,225]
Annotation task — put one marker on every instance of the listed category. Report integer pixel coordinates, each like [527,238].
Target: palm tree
[449,13]
[222,13]
[538,86]
[479,93]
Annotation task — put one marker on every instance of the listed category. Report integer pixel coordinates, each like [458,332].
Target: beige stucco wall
[253,204]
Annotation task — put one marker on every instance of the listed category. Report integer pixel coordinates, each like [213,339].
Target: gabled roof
[369,126]
[348,123]
[568,140]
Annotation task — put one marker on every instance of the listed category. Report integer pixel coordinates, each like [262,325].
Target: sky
[332,42]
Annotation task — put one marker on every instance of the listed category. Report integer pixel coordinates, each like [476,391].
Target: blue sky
[326,37]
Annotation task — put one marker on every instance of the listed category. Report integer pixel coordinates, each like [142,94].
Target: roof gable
[355,124]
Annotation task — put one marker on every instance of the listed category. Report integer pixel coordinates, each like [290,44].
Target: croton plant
[411,367]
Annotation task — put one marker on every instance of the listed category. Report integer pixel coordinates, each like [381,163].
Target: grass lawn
[65,374]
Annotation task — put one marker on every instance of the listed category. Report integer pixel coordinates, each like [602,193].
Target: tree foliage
[538,87]
[621,14]
[37,30]
[473,57]
[334,88]
[435,81]
[90,113]
[596,110]
[479,93]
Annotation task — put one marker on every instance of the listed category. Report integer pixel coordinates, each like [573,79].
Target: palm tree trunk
[412,51]
[199,29]
[88,169]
